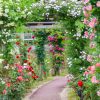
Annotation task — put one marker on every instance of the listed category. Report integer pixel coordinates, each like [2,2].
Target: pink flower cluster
[51,38]
[91,71]
[88,21]
[92,23]
[59,48]
[90,36]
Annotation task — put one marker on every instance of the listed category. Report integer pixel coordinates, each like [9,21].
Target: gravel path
[50,91]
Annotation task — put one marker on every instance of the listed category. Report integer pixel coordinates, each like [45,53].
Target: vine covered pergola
[39,38]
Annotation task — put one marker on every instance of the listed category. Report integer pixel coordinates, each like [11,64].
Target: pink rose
[4,91]
[94,80]
[86,73]
[33,37]
[91,69]
[97,64]
[89,7]
[86,14]
[93,22]
[62,49]
[85,21]
[86,34]
[29,73]
[20,78]
[98,3]
[51,38]
[92,35]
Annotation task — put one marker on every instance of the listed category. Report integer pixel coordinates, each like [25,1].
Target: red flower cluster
[30,69]
[29,49]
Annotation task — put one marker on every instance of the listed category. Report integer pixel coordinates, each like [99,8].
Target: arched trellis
[41,39]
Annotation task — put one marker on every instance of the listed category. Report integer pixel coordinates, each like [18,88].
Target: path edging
[34,90]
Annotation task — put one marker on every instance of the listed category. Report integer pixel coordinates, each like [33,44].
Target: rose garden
[44,39]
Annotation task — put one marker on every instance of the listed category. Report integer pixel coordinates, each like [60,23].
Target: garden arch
[78,51]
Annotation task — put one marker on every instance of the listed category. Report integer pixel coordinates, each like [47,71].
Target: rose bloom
[98,3]
[85,21]
[29,49]
[86,34]
[86,73]
[68,80]
[20,70]
[29,73]
[94,80]
[17,43]
[4,91]
[92,35]
[80,83]
[86,14]
[33,37]
[97,65]
[91,69]
[17,56]
[93,22]
[8,84]
[89,7]
[20,78]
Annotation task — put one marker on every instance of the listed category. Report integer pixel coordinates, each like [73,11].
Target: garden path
[51,90]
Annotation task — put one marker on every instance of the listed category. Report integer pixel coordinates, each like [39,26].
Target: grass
[72,95]
[37,83]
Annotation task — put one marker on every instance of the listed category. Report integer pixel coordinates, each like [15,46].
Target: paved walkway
[50,91]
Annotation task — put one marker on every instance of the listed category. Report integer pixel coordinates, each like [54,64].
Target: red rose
[8,84]
[17,43]
[25,61]
[44,72]
[29,49]
[33,37]
[20,70]
[80,83]
[17,56]
[35,77]
[29,63]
